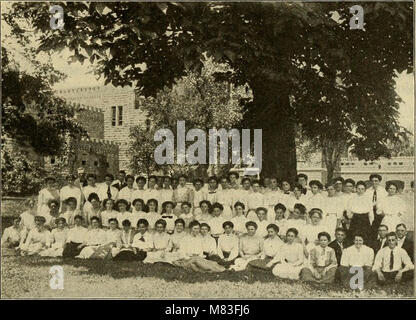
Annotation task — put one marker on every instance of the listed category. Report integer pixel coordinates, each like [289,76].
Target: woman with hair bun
[290,260]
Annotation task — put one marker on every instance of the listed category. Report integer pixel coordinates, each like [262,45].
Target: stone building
[118,109]
[95,153]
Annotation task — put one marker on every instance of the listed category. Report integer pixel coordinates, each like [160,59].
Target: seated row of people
[198,250]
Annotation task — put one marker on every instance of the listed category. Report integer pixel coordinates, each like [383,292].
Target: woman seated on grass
[309,233]
[76,237]
[291,257]
[58,239]
[322,262]
[95,237]
[92,210]
[271,250]
[70,211]
[108,213]
[38,238]
[209,245]
[191,252]
[160,240]
[239,221]
[126,250]
[228,243]
[13,237]
[359,256]
[175,240]
[143,240]
[113,238]
[250,247]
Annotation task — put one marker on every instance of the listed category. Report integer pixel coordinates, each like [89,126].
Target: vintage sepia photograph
[207,150]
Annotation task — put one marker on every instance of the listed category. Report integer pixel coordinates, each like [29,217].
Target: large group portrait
[207,150]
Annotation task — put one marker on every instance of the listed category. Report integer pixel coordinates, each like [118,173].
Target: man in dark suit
[403,241]
[381,240]
[340,243]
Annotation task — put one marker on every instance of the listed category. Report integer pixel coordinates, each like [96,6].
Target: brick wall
[105,98]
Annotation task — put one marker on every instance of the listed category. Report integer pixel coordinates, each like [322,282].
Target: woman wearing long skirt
[160,243]
[46,195]
[13,237]
[250,248]
[143,240]
[76,237]
[94,238]
[175,239]
[192,255]
[227,248]
[392,207]
[271,250]
[291,257]
[322,262]
[38,238]
[126,251]
[360,211]
[58,239]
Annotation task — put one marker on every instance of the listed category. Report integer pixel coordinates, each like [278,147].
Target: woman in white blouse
[38,239]
[93,209]
[47,194]
[290,260]
[227,248]
[203,214]
[58,239]
[108,212]
[191,252]
[360,211]
[94,238]
[152,212]
[239,221]
[271,249]
[309,233]
[126,250]
[137,212]
[28,217]
[161,241]
[333,209]
[251,247]
[13,237]
[392,207]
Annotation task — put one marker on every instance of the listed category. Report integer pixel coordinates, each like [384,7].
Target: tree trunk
[271,112]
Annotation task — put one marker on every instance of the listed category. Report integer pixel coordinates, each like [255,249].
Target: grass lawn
[28,277]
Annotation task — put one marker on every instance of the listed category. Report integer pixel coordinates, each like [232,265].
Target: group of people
[296,231]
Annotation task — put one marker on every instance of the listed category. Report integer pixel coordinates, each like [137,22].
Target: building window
[84,162]
[401,163]
[116,116]
[120,115]
[138,102]
[113,116]
[96,163]
[52,160]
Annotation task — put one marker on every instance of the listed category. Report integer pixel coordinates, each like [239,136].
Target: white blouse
[360,204]
[272,247]
[228,243]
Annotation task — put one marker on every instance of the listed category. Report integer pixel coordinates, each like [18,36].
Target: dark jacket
[338,251]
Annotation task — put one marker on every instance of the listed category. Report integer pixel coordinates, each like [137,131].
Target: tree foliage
[200,101]
[31,115]
[337,78]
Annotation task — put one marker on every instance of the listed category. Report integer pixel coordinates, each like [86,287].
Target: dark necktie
[375,201]
[391,260]
[109,192]
[141,239]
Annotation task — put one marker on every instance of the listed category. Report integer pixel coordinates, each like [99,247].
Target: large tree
[300,52]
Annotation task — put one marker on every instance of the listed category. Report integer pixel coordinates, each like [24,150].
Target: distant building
[119,109]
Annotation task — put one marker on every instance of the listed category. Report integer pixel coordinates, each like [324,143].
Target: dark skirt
[71,250]
[360,224]
[260,264]
[221,262]
[128,255]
